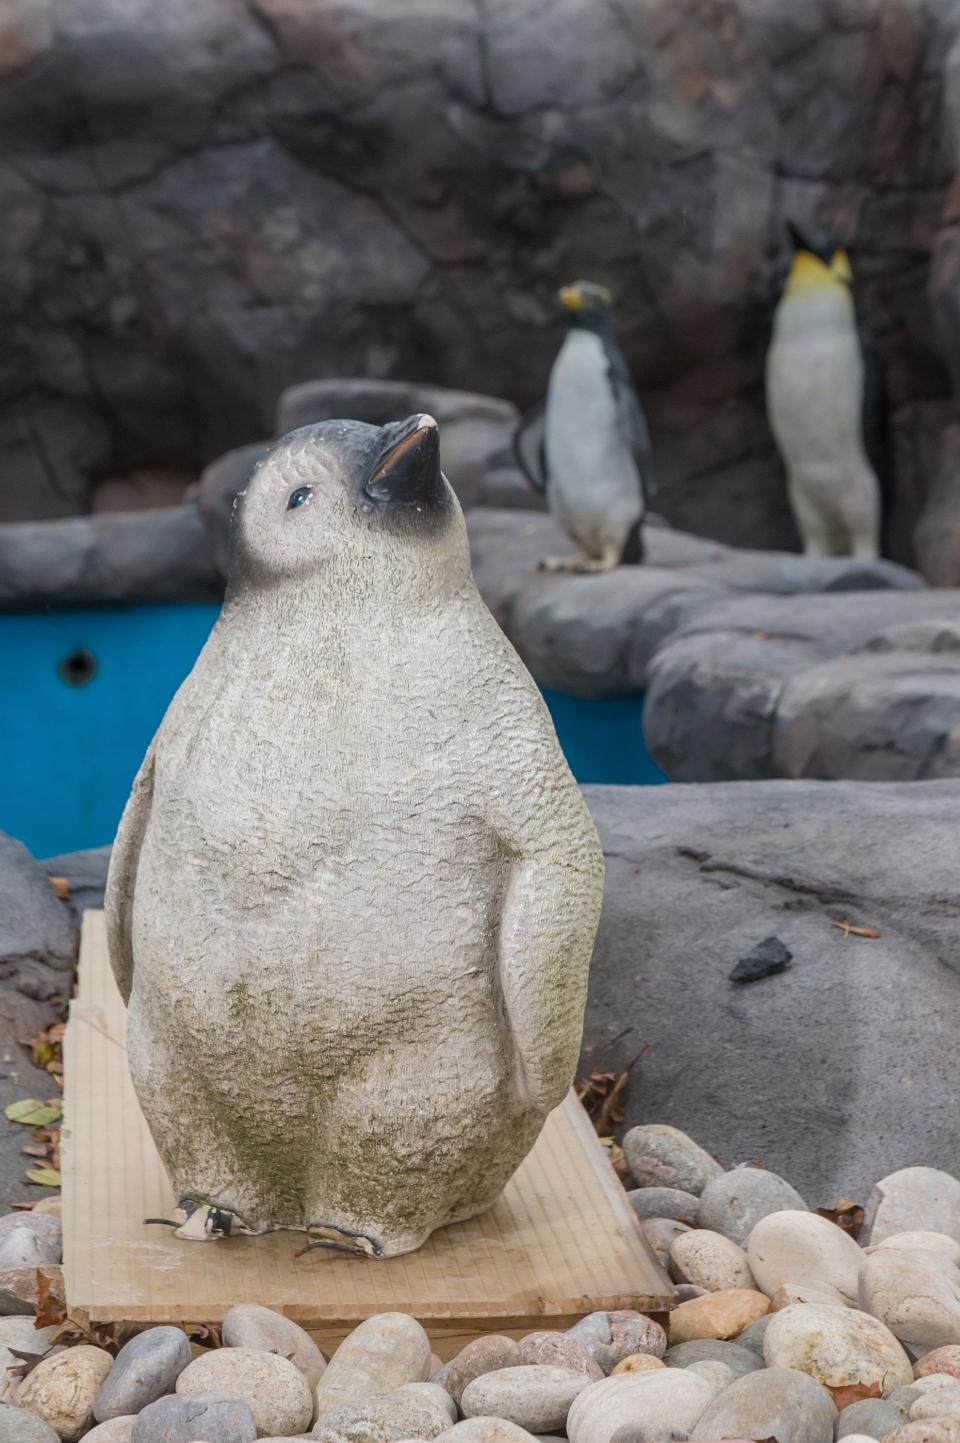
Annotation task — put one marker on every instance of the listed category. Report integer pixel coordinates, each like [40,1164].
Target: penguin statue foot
[342,1240]
[199,1221]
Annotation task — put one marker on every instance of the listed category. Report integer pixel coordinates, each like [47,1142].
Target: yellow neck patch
[808,274]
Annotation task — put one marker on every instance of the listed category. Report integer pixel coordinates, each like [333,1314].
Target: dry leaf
[849,930]
[50,1311]
[44,1176]
[603,1094]
[854,1393]
[61,886]
[34,1113]
[846,1214]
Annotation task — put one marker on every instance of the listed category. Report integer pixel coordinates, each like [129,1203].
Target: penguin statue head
[586,304]
[344,504]
[819,263]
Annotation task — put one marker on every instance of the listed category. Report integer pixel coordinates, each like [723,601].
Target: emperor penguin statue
[817,393]
[587,445]
[354,893]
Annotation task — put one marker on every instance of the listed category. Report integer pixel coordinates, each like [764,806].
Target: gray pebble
[703,1350]
[686,1292]
[734,1203]
[28,1239]
[664,1202]
[661,1156]
[661,1234]
[558,1348]
[753,1334]
[186,1417]
[874,1416]
[19,1426]
[145,1369]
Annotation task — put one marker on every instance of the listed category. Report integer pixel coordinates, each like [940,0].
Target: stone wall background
[206,201]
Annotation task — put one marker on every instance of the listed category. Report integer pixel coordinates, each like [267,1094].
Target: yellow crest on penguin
[818,266]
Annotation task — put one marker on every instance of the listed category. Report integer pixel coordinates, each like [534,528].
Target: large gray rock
[695,875]
[776,1403]
[263,193]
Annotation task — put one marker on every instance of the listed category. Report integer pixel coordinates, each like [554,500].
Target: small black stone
[768,957]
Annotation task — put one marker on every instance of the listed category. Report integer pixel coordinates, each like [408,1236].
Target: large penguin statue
[816,397]
[354,893]
[587,445]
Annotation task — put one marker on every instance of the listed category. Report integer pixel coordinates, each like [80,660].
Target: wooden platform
[562,1241]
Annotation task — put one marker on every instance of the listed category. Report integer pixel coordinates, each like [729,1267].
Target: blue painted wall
[69,750]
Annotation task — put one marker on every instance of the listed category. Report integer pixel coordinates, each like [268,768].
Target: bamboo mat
[562,1241]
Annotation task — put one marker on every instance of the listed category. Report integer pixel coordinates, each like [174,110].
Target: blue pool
[86,689]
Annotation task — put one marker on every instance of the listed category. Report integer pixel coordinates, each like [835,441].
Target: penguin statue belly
[815,400]
[355,889]
[588,446]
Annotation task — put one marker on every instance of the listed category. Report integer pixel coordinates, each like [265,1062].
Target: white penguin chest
[815,384]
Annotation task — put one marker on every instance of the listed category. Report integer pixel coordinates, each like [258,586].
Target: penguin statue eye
[300,497]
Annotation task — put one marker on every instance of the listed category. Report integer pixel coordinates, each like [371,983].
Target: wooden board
[562,1241]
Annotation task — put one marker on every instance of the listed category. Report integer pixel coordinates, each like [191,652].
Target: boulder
[693,875]
[775,1403]
[916,1293]
[840,1347]
[795,1246]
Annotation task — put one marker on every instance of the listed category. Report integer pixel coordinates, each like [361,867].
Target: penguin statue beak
[407,472]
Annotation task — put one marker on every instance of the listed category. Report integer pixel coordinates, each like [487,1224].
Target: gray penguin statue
[818,399]
[355,889]
[587,446]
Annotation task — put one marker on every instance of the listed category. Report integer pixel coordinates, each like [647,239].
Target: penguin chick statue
[815,399]
[587,446]
[354,893]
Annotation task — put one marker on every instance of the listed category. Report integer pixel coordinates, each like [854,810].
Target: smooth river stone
[429,1393]
[114,1430]
[905,1397]
[62,1387]
[145,1369]
[482,1355]
[876,1417]
[916,1198]
[247,1325]
[711,1261]
[944,1403]
[790,1293]
[664,1202]
[661,1234]
[28,1239]
[739,1359]
[380,1354]
[924,1242]
[637,1363]
[19,1426]
[929,1430]
[189,1417]
[385,1419]
[662,1401]
[838,1347]
[608,1337]
[916,1294]
[940,1360]
[550,1346]
[773,1403]
[734,1203]
[536,1396]
[802,1247]
[717,1315]
[660,1156]
[486,1430]
[274,1390]
[753,1335]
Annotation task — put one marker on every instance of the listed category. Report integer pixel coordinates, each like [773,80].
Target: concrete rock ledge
[753,666]
[839,1069]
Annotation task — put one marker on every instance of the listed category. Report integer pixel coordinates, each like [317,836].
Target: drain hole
[78,668]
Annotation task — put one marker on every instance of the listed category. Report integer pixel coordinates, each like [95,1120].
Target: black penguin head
[584,301]
[345,494]
[812,241]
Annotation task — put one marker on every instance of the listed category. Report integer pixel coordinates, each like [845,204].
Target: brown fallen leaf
[846,1214]
[854,1393]
[850,930]
[61,886]
[50,1311]
[603,1094]
[619,1163]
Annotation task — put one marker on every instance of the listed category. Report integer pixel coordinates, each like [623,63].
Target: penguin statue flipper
[549,915]
[122,878]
